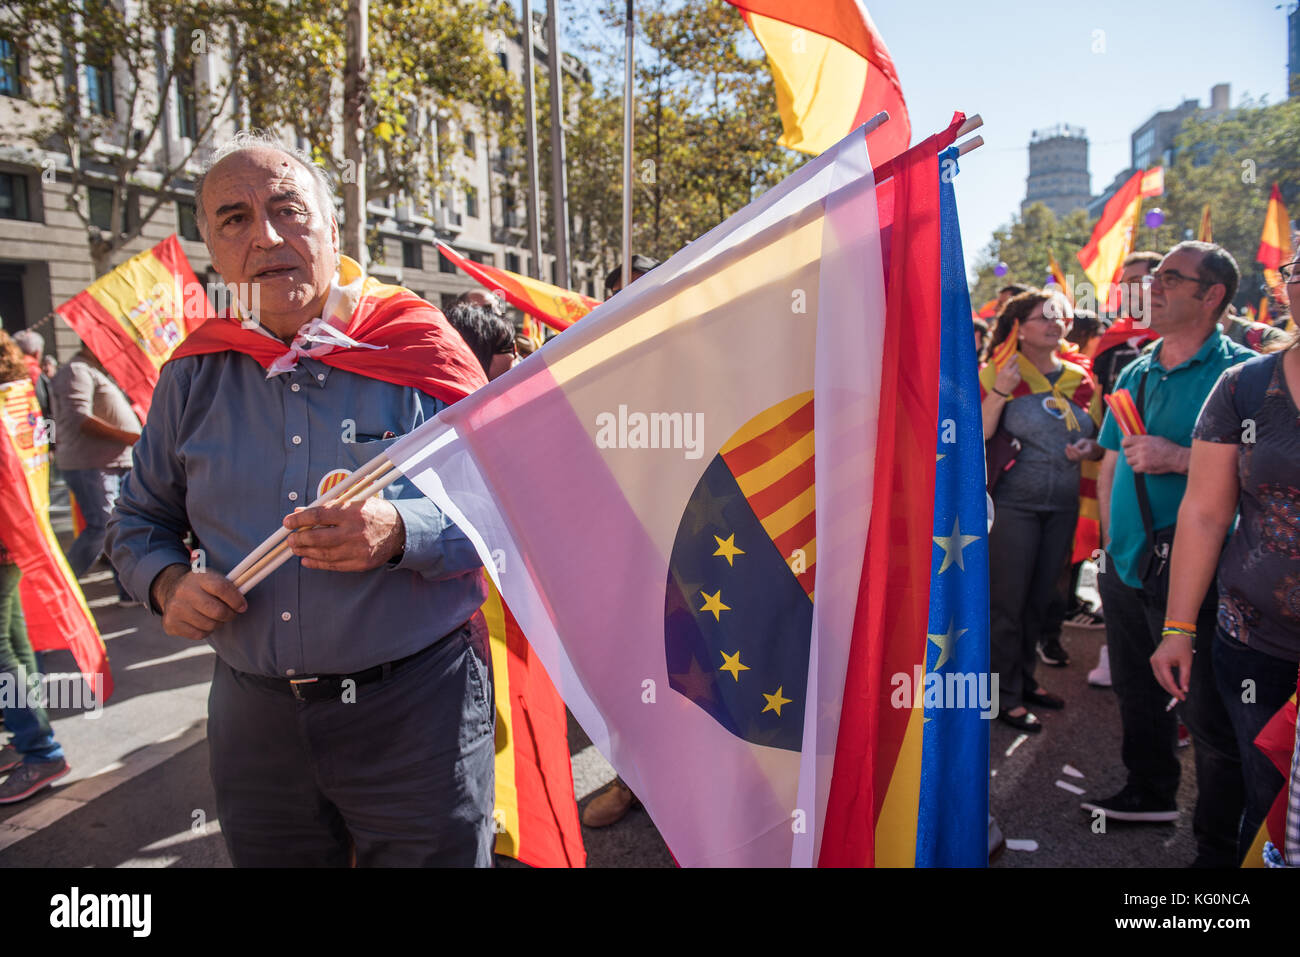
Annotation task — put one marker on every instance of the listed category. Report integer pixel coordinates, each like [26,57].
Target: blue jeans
[30,725]
[96,491]
[1273,681]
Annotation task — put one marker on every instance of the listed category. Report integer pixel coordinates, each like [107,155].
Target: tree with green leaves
[1025,245]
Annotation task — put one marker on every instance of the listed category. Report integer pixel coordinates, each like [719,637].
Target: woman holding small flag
[1049,406]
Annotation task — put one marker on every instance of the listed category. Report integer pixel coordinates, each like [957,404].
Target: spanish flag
[1059,276]
[1277,741]
[535,816]
[1275,243]
[832,73]
[1112,237]
[55,609]
[557,307]
[133,317]
[1206,233]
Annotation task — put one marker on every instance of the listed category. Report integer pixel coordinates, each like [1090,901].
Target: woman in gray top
[1051,406]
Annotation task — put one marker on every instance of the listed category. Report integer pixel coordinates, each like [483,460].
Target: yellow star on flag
[774,701]
[714,604]
[728,549]
[945,643]
[952,546]
[731,663]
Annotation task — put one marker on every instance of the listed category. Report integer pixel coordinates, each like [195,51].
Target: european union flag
[952,820]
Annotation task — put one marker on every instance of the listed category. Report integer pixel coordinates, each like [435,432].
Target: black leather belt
[324,687]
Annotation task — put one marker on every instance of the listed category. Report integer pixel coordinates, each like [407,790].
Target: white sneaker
[1099,677]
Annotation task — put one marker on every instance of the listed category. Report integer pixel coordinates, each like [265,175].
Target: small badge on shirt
[331,479]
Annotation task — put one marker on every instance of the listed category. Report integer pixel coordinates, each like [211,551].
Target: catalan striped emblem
[739,602]
[331,479]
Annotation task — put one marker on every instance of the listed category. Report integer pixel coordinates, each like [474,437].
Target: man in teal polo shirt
[1189,293]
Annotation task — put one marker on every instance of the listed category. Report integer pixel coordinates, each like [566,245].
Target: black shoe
[1053,654]
[1027,722]
[1045,700]
[1129,805]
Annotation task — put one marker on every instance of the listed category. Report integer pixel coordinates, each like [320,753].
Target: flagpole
[559,179]
[628,106]
[534,194]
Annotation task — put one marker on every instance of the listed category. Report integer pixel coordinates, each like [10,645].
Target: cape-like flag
[133,317]
[738,578]
[53,605]
[832,73]
[535,814]
[1279,740]
[1206,233]
[1112,238]
[557,307]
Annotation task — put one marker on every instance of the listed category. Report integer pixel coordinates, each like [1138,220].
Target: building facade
[45,256]
[1058,170]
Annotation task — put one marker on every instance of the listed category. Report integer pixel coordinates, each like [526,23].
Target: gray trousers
[403,774]
[1027,551]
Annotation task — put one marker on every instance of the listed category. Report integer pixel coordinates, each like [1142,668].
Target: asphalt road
[139,794]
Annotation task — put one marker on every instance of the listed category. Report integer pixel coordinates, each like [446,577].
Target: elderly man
[1142,481]
[351,711]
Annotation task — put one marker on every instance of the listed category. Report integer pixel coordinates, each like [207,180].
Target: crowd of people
[1199,511]
[1197,515]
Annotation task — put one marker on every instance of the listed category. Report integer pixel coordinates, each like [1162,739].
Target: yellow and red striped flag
[557,307]
[832,73]
[535,815]
[1112,238]
[1059,275]
[1275,242]
[1206,233]
[55,609]
[132,318]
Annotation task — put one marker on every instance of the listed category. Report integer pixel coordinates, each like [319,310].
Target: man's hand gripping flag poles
[371,479]
[377,474]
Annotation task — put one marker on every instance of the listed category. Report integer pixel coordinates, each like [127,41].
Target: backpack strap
[1252,385]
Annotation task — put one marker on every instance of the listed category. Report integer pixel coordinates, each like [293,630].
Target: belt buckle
[294,682]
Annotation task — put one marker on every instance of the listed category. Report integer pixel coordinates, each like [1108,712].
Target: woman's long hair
[1016,310]
[13,366]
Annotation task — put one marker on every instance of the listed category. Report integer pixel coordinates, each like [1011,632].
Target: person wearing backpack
[1245,461]
[1143,478]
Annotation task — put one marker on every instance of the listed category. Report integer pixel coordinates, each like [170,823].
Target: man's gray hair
[260,140]
[30,342]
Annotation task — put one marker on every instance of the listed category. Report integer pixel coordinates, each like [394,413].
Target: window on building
[101,208]
[13,196]
[512,262]
[11,78]
[187,104]
[471,146]
[471,202]
[186,224]
[445,264]
[483,259]
[412,255]
[99,84]
[504,61]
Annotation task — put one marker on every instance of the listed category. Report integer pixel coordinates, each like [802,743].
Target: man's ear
[334,241]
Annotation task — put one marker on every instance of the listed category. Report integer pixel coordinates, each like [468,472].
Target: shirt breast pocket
[361,454]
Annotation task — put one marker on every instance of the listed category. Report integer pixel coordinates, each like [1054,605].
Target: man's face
[1177,299]
[1130,291]
[264,228]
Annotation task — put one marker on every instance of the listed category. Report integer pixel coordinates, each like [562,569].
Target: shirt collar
[1208,347]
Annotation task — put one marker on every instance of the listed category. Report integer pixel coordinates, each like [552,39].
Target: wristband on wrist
[1181,625]
[1005,395]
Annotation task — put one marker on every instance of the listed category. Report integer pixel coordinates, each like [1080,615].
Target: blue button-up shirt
[228,453]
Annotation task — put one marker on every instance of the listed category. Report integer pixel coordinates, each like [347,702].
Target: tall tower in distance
[1058,169]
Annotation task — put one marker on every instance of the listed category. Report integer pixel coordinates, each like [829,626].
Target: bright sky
[1026,65]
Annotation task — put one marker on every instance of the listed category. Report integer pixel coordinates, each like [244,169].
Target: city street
[139,794]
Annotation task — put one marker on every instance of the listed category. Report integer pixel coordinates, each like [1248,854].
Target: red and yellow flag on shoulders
[832,73]
[557,307]
[55,609]
[1112,238]
[536,814]
[133,317]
